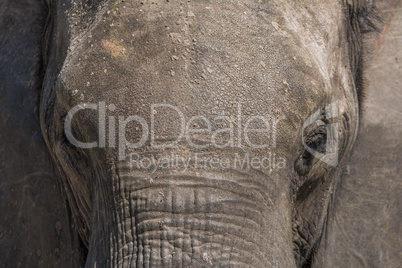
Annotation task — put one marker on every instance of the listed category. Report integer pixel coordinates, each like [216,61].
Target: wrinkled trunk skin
[272,58]
[181,220]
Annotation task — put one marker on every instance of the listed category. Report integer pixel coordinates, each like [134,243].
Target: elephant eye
[315,141]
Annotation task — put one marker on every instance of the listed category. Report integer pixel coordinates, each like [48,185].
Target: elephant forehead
[202,58]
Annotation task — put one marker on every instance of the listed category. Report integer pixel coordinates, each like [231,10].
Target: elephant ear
[364,224]
[35,226]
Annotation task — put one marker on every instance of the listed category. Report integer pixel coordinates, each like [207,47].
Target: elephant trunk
[202,218]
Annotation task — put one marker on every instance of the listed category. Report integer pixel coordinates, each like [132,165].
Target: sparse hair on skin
[365,19]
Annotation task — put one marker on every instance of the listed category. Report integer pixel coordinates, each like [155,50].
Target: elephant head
[199,133]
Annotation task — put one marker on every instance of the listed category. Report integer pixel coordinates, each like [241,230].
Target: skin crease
[274,58]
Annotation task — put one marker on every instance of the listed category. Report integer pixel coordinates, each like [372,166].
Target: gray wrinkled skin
[266,56]
[282,59]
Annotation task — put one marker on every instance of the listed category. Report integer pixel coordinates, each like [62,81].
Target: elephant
[200,133]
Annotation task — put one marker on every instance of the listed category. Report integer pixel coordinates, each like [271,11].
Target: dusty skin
[305,174]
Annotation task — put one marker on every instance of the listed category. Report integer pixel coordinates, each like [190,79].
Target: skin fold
[273,81]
